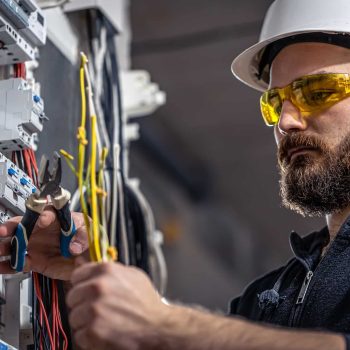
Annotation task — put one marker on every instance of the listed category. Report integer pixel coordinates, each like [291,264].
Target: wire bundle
[48,330]
[91,187]
[123,216]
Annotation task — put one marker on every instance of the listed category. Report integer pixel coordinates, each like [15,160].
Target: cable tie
[81,136]
[112,253]
[101,192]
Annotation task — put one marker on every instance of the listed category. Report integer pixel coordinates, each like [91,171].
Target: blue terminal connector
[24,181]
[36,98]
[3,346]
[11,171]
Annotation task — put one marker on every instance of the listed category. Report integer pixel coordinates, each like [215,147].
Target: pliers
[49,185]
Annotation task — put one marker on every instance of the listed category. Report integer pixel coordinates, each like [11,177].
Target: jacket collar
[308,249]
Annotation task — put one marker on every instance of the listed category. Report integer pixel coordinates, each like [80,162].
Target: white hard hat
[288,20]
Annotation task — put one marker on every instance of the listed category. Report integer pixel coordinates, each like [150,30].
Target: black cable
[140,231]
[20,160]
[117,86]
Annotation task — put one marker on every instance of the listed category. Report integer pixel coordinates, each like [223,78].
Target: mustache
[295,140]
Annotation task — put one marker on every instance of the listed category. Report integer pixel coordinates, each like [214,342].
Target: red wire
[23,71]
[57,326]
[42,309]
[30,160]
[27,162]
[20,70]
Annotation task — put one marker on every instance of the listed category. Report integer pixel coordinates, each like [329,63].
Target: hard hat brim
[245,66]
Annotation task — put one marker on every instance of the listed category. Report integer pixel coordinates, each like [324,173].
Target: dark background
[206,160]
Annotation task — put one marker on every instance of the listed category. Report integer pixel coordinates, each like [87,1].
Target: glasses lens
[313,93]
[271,106]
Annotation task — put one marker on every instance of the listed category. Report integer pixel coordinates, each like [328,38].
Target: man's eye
[278,108]
[320,95]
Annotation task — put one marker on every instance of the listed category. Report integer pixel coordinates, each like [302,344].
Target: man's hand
[114,307]
[44,254]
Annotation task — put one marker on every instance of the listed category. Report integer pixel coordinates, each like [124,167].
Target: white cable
[108,205]
[75,200]
[99,61]
[91,104]
[114,196]
[118,197]
[155,241]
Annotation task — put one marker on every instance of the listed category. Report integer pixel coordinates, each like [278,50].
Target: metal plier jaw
[49,185]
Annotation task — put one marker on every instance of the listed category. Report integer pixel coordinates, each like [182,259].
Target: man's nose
[291,119]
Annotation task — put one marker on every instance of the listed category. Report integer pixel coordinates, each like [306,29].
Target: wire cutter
[49,185]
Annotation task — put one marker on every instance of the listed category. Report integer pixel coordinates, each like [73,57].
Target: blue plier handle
[19,242]
[68,229]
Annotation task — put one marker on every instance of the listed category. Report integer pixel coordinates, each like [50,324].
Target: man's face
[313,151]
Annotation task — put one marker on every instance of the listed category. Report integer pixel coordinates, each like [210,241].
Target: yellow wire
[81,155]
[68,157]
[102,194]
[94,204]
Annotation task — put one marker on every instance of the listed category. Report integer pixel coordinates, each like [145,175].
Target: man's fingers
[80,242]
[80,316]
[90,270]
[88,289]
[81,339]
[46,218]
[5,248]
[8,228]
[5,268]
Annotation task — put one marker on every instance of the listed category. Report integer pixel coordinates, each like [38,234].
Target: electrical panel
[21,115]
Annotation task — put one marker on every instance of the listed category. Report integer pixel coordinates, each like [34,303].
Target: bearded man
[302,64]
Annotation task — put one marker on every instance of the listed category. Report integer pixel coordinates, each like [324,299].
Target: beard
[315,183]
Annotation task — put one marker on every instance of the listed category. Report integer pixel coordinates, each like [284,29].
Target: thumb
[79,243]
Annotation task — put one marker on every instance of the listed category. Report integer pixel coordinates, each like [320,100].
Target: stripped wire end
[68,158]
[84,59]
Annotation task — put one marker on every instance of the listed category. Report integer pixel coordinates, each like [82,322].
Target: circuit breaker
[21,115]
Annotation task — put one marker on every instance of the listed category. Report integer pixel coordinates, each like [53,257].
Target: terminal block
[15,188]
[14,48]
[22,30]
[21,115]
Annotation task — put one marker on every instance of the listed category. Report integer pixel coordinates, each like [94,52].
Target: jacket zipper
[299,305]
[301,297]
[304,287]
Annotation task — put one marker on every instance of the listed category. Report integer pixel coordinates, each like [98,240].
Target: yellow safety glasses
[310,94]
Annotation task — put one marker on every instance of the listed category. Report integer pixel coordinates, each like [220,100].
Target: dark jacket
[310,291]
